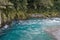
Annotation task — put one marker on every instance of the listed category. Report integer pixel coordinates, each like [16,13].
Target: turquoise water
[31,29]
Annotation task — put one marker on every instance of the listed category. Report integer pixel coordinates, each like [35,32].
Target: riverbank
[8,22]
[7,18]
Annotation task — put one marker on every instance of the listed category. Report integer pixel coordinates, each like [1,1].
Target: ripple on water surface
[30,30]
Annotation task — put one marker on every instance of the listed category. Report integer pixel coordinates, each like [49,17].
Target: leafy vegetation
[20,9]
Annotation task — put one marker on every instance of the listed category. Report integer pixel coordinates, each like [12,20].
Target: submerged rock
[4,29]
[55,31]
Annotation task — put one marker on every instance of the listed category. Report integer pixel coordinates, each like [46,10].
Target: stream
[32,29]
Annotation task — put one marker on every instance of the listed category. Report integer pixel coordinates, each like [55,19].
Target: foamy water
[32,29]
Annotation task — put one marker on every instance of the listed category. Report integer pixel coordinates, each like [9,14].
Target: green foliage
[19,9]
[32,5]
